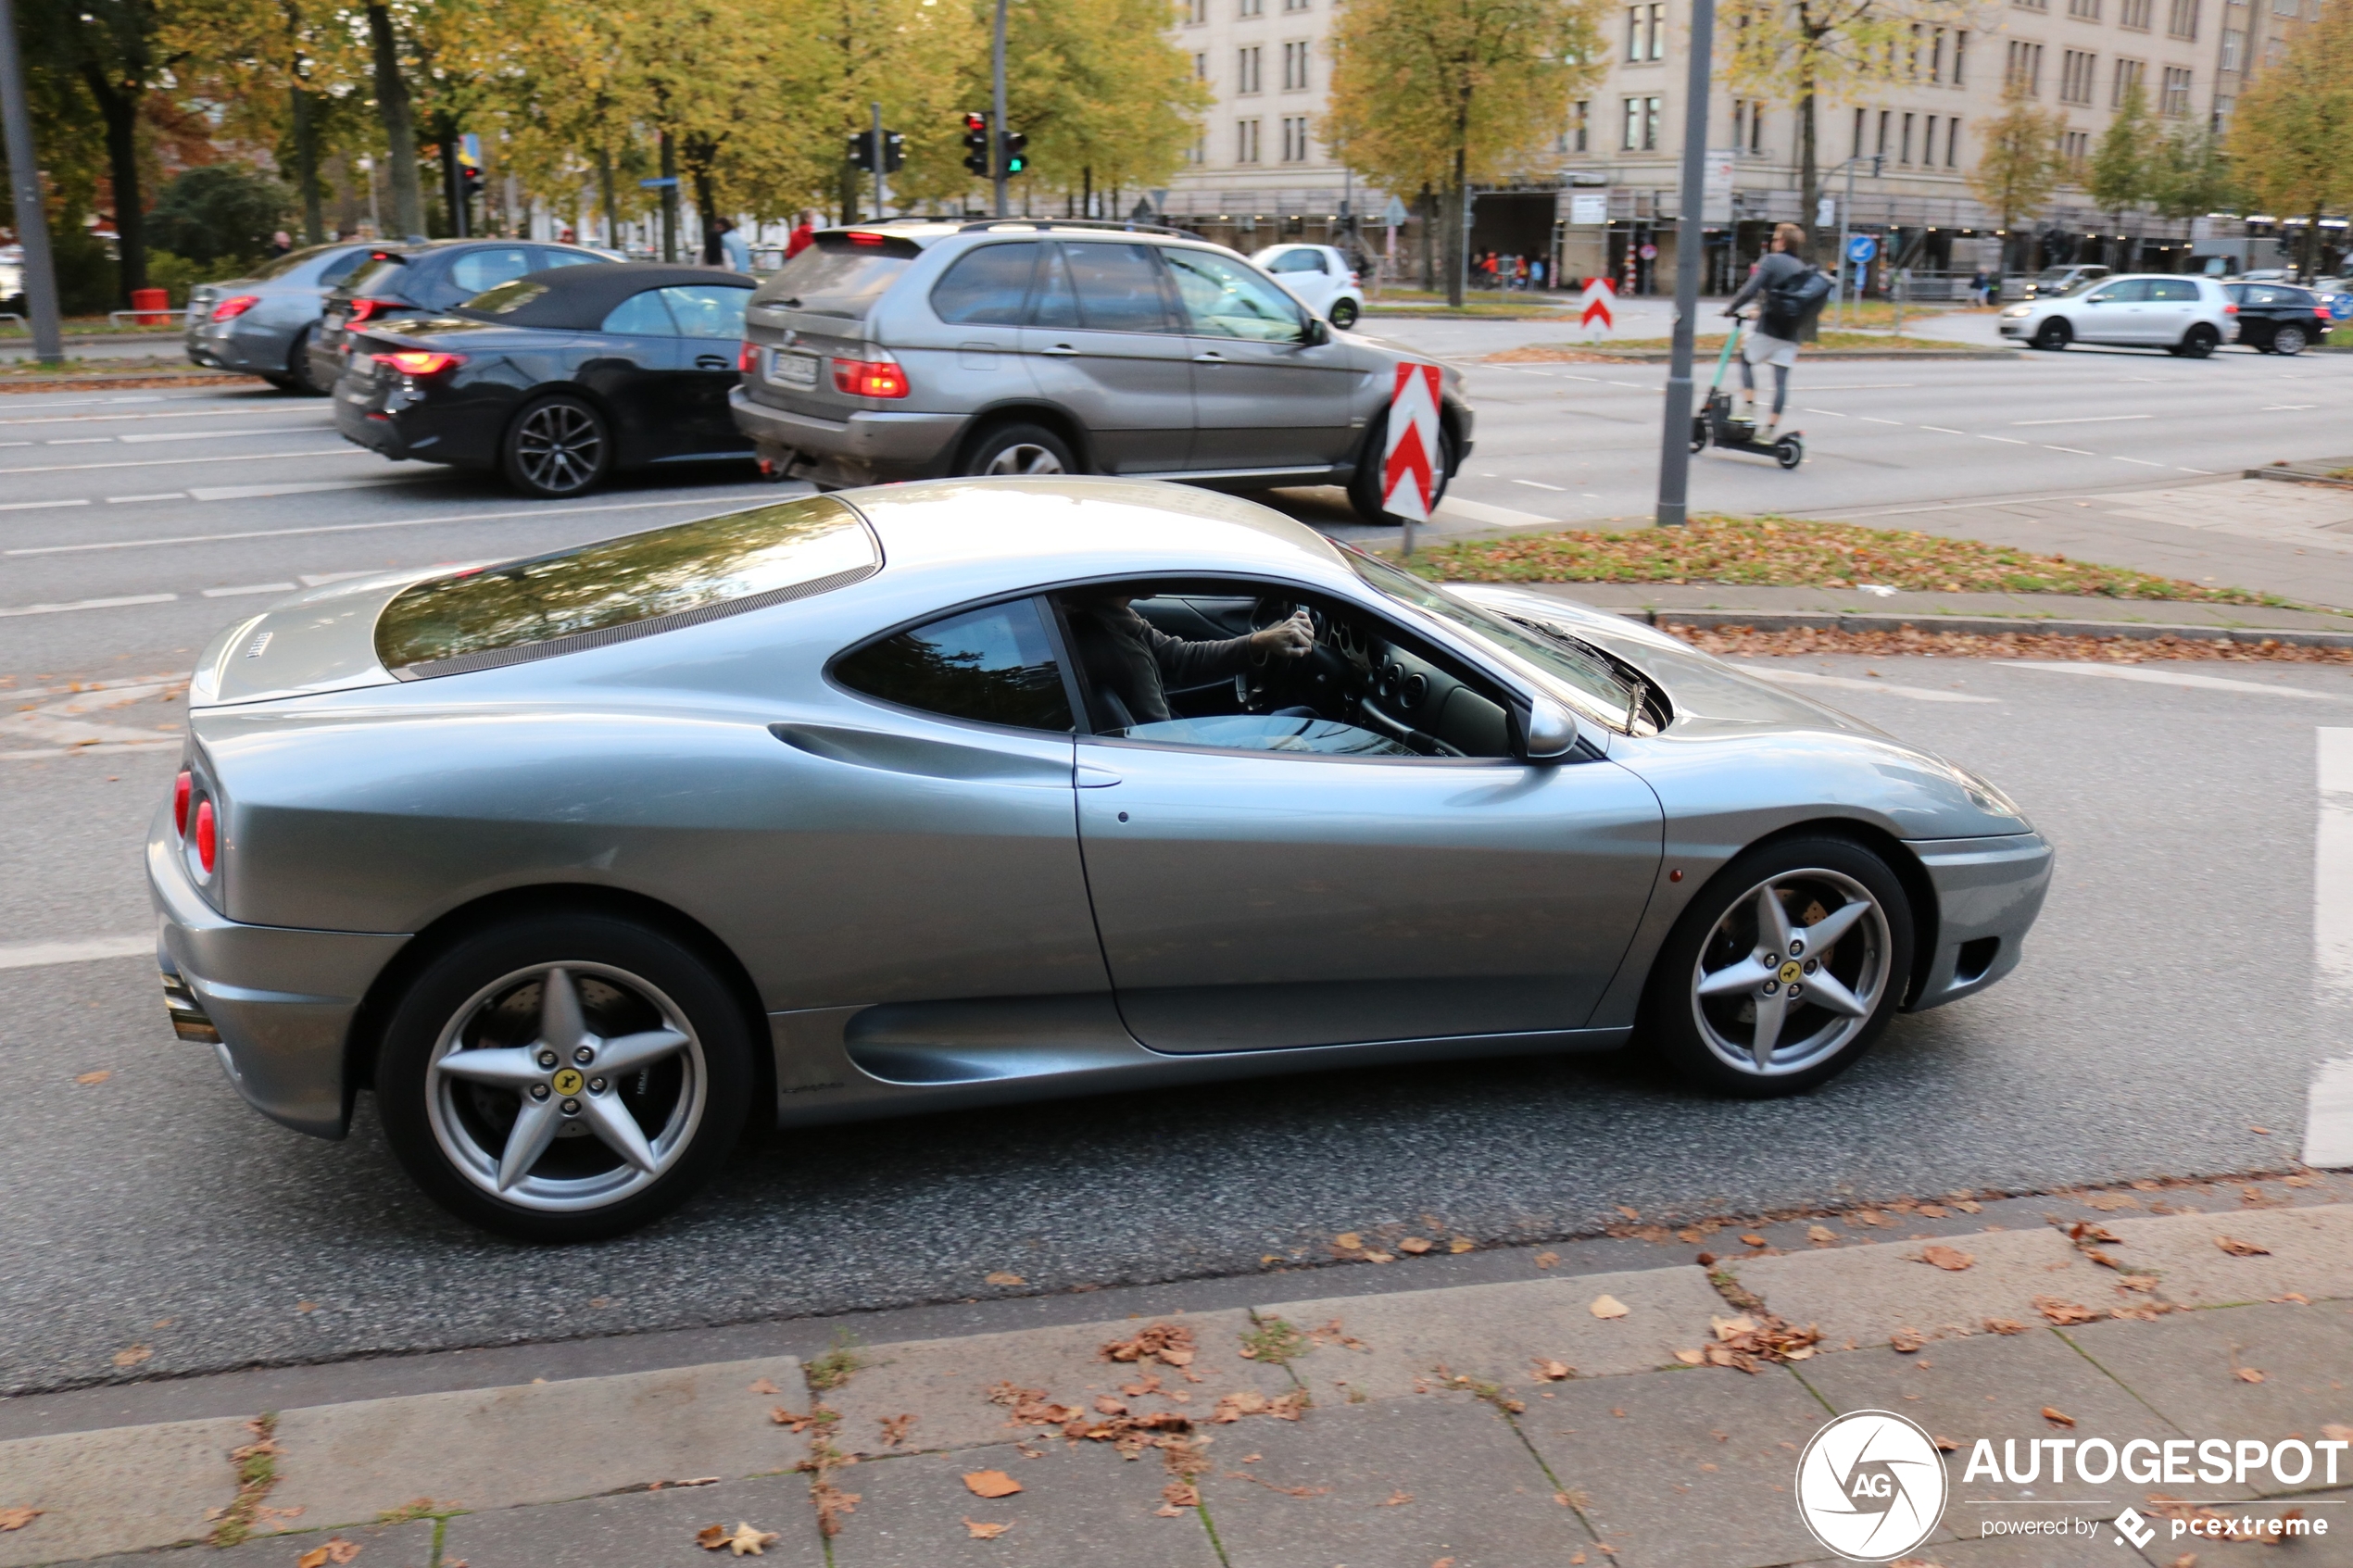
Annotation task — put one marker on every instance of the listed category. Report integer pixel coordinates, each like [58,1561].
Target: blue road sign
[1861,247]
[2341,308]
[658,184]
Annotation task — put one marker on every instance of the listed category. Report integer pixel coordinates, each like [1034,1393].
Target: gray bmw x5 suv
[921,349]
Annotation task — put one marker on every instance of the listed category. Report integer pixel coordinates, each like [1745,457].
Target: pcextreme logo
[1871,1485]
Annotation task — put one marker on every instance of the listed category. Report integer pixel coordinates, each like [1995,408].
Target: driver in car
[1132,662]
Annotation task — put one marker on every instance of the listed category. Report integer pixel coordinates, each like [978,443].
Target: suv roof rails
[1121,226]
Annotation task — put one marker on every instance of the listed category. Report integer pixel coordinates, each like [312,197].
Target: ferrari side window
[995,666]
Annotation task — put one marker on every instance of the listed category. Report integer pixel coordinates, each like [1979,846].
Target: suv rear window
[840,276]
[631,586]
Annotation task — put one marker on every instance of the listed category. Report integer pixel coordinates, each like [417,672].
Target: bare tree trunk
[119,108]
[306,151]
[1429,239]
[1809,167]
[605,193]
[400,132]
[669,199]
[2308,257]
[1457,200]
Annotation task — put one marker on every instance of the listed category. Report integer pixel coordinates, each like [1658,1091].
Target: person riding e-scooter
[1783,322]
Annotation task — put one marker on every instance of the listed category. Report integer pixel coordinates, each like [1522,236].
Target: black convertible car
[558,378]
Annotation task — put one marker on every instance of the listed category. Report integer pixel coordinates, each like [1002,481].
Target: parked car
[2189,316]
[1320,276]
[582,860]
[559,378]
[419,278]
[2278,317]
[2062,280]
[922,349]
[263,323]
[12,296]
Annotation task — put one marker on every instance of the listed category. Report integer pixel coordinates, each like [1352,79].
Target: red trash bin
[153,307]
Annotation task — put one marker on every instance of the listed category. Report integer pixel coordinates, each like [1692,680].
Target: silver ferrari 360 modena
[942,794]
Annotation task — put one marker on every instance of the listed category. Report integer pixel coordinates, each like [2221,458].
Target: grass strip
[1712,344]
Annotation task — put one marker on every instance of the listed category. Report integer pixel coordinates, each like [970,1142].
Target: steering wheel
[1267,610]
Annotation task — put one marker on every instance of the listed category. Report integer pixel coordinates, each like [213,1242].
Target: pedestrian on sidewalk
[803,235]
[731,246]
[1780,285]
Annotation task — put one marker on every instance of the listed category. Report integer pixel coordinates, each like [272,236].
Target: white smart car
[2184,315]
[1320,277]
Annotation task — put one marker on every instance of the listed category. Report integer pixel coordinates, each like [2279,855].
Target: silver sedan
[988,790]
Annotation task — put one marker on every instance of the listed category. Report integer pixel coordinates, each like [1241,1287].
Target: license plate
[792,370]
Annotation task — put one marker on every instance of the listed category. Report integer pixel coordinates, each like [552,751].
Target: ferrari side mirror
[1552,732]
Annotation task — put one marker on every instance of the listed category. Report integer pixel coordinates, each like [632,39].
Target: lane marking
[2077,450]
[2208,472]
[720,501]
[2086,419]
[1850,683]
[2290,408]
[2006,440]
[2328,1110]
[100,748]
[75,688]
[79,440]
[34,955]
[2169,678]
[185,414]
[1540,484]
[37,506]
[175,462]
[98,402]
[321,579]
[158,495]
[310,487]
[249,588]
[1943,431]
[2142,461]
[1869,419]
[1479,512]
[89,604]
[137,437]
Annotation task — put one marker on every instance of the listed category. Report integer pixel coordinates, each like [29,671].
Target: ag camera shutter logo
[1871,1486]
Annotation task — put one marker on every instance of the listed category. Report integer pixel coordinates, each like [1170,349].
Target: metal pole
[1846,223]
[878,163]
[997,119]
[24,175]
[1675,449]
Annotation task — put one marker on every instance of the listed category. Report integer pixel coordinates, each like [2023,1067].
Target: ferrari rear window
[617,589]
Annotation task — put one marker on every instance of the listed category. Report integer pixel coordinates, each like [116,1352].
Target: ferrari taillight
[207,837]
[181,788]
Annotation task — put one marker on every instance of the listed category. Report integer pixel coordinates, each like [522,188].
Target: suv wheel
[1343,315]
[2199,342]
[2053,335]
[1365,484]
[2288,340]
[1019,450]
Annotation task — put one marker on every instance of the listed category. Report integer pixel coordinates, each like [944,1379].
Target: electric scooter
[1714,421]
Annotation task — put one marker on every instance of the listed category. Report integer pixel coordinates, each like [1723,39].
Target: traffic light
[894,151]
[976,145]
[861,151]
[1009,147]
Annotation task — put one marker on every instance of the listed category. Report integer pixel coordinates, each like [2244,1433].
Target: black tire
[557,446]
[2054,335]
[1344,314]
[1365,484]
[631,980]
[283,383]
[2199,342]
[1018,449]
[1789,451]
[1877,965]
[2288,340]
[298,378]
[1699,432]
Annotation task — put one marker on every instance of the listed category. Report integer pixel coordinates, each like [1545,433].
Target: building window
[2024,73]
[2234,47]
[1199,151]
[2133,15]
[2129,76]
[1295,66]
[1246,64]
[1646,31]
[2182,19]
[1294,5]
[1201,66]
[1642,125]
[1295,138]
[1748,125]
[1196,12]
[1928,142]
[2075,147]
[1880,147]
[2031,5]
[1251,8]
[1245,141]
[2077,68]
[1860,115]
[1960,49]
[1577,138]
[2176,98]
[1905,156]
[2083,10]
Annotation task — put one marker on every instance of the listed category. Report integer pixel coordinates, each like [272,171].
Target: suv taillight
[748,357]
[870,378]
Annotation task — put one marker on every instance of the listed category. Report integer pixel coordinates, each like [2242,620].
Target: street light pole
[24,175]
[1674,448]
[878,163]
[997,119]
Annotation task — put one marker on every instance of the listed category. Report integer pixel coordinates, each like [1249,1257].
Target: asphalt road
[2163,1012]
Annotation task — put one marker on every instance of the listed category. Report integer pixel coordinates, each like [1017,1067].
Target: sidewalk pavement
[2020,612]
[1631,1416]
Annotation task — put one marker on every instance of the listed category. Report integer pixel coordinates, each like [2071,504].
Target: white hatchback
[2189,316]
[1321,279]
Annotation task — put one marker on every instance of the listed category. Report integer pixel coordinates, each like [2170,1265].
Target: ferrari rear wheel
[557,446]
[1784,969]
[564,1078]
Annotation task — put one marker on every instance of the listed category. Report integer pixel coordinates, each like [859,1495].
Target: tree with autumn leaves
[1434,94]
[2291,131]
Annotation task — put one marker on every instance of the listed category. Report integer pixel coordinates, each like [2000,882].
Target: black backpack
[1794,301]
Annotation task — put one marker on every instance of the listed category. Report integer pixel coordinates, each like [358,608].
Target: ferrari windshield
[630,586]
[1586,679]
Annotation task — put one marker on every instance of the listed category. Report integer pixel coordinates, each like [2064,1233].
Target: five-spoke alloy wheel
[1784,969]
[565,1078]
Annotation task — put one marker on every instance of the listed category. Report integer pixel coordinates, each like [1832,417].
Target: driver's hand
[1294,638]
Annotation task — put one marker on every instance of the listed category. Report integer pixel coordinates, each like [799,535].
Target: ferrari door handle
[1062,349]
[1091,777]
[710,362]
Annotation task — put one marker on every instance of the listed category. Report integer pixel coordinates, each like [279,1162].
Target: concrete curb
[344,1467]
[1981,625]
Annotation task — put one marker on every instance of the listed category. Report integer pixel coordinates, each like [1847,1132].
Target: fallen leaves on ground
[100,1076]
[1171,1344]
[818,1415]
[990,1484]
[1283,1406]
[2058,1417]
[894,1428]
[17,1518]
[1398,1498]
[1031,1406]
[1002,1276]
[1904,1341]
[1461,1244]
[2003,1325]
[742,1541]
[133,1356]
[980,1530]
[2246,1375]
[764,1386]
[1547,1260]
[1747,1341]
[1794,551]
[1607,1306]
[1910,640]
[1554,1371]
[1176,1498]
[1415,1244]
[1822,1235]
[2109,1202]
[2238,1249]
[1749,1238]
[334,1550]
[2087,1230]
[2064,1313]
[1951,1259]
